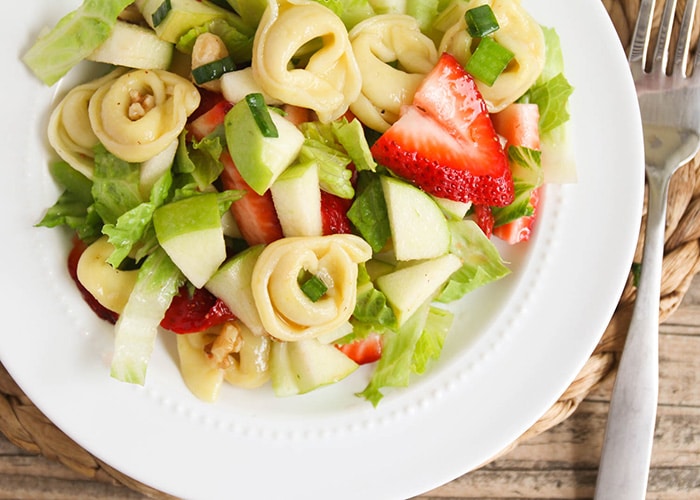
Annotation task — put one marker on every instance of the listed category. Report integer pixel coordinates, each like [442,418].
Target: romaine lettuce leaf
[158,282]
[75,206]
[409,350]
[481,262]
[371,306]
[116,185]
[552,98]
[73,38]
[334,176]
[368,212]
[200,159]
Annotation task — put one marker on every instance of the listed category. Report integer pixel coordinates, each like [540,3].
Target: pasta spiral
[519,33]
[378,42]
[140,113]
[328,81]
[69,131]
[286,312]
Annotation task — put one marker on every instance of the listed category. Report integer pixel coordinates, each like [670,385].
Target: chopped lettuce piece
[424,11]
[351,137]
[200,159]
[409,350]
[371,306]
[334,176]
[528,175]
[554,57]
[481,262]
[429,346]
[552,98]
[368,212]
[116,185]
[350,12]
[75,206]
[73,38]
[158,282]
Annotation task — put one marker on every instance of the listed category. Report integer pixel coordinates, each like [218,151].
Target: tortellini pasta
[302,56]
[139,114]
[394,56]
[232,354]
[286,312]
[70,132]
[519,33]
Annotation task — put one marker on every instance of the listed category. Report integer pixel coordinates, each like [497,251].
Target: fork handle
[624,465]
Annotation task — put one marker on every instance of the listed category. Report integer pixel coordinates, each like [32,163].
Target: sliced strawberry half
[445,143]
[334,214]
[255,215]
[419,149]
[521,228]
[364,350]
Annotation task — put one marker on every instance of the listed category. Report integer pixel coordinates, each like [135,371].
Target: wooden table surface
[561,463]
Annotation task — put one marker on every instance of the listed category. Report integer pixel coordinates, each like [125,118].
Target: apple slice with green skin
[418,227]
[190,232]
[454,210]
[409,287]
[258,158]
[297,198]
[300,367]
[232,284]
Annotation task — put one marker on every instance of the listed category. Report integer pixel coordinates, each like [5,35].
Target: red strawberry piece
[521,228]
[365,350]
[334,214]
[255,215]
[207,122]
[518,123]
[445,143]
[195,312]
[483,216]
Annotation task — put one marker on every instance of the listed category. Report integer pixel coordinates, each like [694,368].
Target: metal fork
[669,99]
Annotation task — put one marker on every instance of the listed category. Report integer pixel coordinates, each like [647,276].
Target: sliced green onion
[481,21]
[256,103]
[213,70]
[488,61]
[314,288]
[161,12]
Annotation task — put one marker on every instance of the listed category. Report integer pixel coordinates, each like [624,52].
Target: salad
[296,188]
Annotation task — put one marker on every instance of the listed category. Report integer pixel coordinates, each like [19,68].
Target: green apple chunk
[190,232]
[454,210]
[297,198]
[182,15]
[419,229]
[134,46]
[232,284]
[409,287]
[300,367]
[260,159]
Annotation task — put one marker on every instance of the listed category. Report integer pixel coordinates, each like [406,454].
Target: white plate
[518,344]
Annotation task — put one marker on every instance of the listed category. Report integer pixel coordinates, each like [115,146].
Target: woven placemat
[25,426]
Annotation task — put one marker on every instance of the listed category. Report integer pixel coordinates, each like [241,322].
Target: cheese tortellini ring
[70,132]
[393,56]
[519,33]
[140,113]
[286,312]
[109,286]
[328,81]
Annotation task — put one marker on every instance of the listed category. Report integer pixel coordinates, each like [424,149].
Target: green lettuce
[157,283]
[350,12]
[200,159]
[368,212]
[408,350]
[371,306]
[238,43]
[481,262]
[75,206]
[73,38]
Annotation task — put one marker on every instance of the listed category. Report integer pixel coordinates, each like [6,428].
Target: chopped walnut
[226,344]
[141,103]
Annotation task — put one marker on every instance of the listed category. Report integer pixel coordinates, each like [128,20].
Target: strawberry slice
[365,350]
[334,210]
[255,215]
[445,143]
